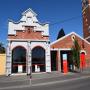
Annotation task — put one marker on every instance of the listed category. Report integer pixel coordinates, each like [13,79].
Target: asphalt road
[78,84]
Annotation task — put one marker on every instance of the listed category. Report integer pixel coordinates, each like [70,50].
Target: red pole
[65,66]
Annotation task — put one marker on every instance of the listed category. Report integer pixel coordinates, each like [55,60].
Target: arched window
[19,60]
[38,59]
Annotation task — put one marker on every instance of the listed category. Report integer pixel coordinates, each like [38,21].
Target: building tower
[86,19]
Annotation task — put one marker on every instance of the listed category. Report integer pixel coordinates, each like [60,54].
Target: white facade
[28,19]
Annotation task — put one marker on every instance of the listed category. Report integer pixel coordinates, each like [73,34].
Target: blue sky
[51,11]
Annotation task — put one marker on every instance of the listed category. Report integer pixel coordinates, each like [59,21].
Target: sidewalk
[35,76]
[49,75]
[44,75]
[39,79]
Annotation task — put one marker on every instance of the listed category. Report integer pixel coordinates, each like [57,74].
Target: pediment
[29,13]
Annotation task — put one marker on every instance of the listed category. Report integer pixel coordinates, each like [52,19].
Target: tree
[76,53]
[61,33]
[2,48]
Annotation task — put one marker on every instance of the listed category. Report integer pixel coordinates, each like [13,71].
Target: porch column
[8,59]
[29,58]
[59,61]
[48,59]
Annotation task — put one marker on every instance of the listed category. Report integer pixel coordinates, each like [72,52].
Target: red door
[82,60]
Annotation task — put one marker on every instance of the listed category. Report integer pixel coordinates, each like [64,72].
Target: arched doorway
[82,60]
[38,59]
[19,60]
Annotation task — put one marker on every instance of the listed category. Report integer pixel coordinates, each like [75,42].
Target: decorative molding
[28,19]
[30,40]
[83,51]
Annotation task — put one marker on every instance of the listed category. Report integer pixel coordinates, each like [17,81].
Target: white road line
[41,84]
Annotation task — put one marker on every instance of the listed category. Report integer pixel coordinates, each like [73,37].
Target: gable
[29,12]
[67,41]
[28,19]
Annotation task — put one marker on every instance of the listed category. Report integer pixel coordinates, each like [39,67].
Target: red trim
[18,65]
[38,64]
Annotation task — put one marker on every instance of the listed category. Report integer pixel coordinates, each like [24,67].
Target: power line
[66,20]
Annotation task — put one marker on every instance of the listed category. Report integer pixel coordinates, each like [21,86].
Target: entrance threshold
[38,72]
[17,74]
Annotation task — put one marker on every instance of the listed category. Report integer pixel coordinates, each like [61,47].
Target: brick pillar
[58,61]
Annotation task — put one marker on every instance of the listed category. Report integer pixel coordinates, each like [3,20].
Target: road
[70,84]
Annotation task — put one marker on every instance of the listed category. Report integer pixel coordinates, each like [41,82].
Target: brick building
[63,46]
[86,19]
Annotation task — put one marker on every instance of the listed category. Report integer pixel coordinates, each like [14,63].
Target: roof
[69,35]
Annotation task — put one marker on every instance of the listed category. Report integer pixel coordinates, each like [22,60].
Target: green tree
[2,48]
[61,33]
[76,53]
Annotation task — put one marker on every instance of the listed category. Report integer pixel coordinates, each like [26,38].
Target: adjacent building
[63,46]
[86,19]
[2,64]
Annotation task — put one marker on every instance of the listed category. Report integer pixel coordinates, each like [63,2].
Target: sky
[66,14]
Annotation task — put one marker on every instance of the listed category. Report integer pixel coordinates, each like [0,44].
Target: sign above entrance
[20,69]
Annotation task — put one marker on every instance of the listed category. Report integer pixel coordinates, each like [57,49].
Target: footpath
[38,79]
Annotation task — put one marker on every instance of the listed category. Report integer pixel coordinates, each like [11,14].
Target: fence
[2,64]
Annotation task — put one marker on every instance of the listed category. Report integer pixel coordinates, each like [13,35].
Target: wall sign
[20,68]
